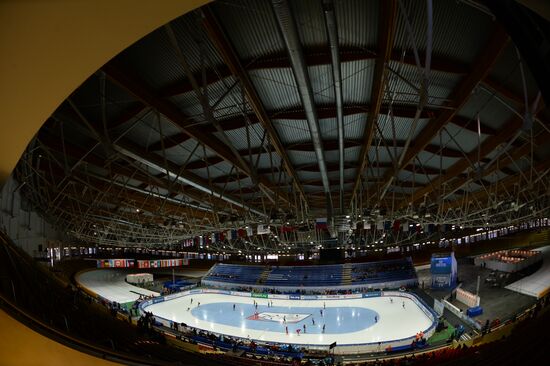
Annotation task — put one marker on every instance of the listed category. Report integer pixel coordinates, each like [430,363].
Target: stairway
[263,276]
[346,274]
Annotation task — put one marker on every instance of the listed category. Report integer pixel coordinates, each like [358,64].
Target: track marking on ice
[279,317]
[352,320]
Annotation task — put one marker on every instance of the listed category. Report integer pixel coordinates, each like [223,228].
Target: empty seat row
[235,273]
[314,276]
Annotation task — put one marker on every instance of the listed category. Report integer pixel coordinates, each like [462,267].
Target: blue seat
[371,273]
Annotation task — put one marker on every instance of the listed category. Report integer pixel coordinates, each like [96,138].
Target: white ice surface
[537,283]
[110,284]
[395,322]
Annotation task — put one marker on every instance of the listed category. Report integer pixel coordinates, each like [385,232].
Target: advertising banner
[242,294]
[162,263]
[372,294]
[262,296]
[309,297]
[115,263]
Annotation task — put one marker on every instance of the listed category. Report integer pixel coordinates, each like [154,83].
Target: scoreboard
[442,265]
[444,270]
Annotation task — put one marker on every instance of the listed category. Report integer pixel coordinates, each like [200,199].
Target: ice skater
[324,305]
[323,328]
[286,330]
[403,304]
[284,318]
[376,319]
[233,307]
[191,301]
[198,304]
[313,321]
[321,312]
[304,328]
[298,331]
[391,300]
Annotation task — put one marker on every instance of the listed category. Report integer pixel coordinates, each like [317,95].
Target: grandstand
[310,276]
[235,274]
[382,274]
[274,182]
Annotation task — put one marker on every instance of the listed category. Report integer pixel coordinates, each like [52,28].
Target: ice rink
[347,322]
[111,284]
[537,284]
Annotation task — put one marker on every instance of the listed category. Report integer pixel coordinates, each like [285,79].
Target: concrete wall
[26,227]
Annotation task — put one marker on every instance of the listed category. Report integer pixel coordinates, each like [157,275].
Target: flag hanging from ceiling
[249,231]
[287,229]
[380,225]
[367,225]
[396,226]
[321,223]
[263,229]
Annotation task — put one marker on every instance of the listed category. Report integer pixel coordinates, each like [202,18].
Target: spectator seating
[246,275]
[313,276]
[337,276]
[43,302]
[383,271]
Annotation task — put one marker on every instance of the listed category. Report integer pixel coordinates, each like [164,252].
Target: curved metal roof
[203,120]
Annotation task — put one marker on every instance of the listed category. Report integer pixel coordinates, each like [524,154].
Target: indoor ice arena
[274,182]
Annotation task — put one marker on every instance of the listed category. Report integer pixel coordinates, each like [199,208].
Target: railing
[65,339]
[19,262]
